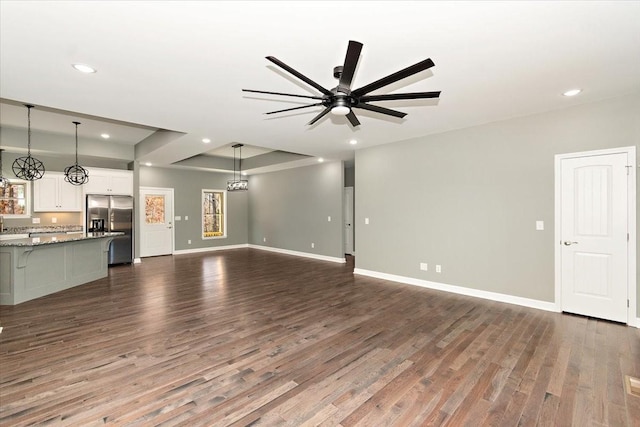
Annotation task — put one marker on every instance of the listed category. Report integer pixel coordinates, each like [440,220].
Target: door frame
[346,190]
[141,215]
[632,318]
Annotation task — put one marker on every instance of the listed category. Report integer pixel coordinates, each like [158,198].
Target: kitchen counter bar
[56,238]
[37,266]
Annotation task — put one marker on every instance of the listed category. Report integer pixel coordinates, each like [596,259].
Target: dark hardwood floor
[247,337]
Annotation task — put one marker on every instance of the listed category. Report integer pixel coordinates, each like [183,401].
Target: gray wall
[290,208]
[187,193]
[469,199]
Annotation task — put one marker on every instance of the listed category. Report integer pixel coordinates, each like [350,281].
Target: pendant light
[4,182]
[76,174]
[237,184]
[28,168]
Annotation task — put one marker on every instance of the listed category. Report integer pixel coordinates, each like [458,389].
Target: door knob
[567,243]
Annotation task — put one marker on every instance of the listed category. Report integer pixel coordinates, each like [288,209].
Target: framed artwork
[14,200]
[214,214]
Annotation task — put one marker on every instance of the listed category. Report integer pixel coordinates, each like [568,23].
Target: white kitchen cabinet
[109,181]
[52,193]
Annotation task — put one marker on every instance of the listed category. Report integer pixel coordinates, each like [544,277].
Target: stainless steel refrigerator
[113,213]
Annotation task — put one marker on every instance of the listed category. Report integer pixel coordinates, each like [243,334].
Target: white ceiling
[180,66]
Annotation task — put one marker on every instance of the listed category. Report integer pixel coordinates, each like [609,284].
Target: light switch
[366,221]
[539,225]
[178,218]
[186,217]
[329,218]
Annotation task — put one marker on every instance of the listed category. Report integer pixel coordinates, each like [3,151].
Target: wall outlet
[54,220]
[264,239]
[313,245]
[188,242]
[424,266]
[329,219]
[438,268]
[35,220]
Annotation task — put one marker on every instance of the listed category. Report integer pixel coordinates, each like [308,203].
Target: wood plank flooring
[247,337]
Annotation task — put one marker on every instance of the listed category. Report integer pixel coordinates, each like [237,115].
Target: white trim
[137,261]
[210,249]
[301,254]
[632,320]
[493,296]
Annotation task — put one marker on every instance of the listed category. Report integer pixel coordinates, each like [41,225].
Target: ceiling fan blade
[353,119]
[392,78]
[394,96]
[294,108]
[280,93]
[302,77]
[319,116]
[382,110]
[350,63]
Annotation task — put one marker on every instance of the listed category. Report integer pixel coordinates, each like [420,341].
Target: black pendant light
[28,168]
[238,184]
[76,174]
[4,182]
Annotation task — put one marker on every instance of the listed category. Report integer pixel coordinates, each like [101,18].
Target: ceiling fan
[341,100]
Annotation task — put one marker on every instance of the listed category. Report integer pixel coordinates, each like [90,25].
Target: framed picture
[214,214]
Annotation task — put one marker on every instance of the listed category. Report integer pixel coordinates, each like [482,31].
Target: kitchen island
[32,267]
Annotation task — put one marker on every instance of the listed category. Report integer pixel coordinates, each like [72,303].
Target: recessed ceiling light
[206,140]
[84,68]
[148,164]
[244,173]
[320,160]
[572,92]
[105,135]
[353,142]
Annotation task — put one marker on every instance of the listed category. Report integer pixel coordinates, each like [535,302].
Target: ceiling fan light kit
[341,100]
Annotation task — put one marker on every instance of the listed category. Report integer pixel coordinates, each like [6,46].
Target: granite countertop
[42,229]
[56,238]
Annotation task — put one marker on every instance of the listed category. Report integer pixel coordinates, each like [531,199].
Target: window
[154,209]
[214,211]
[14,200]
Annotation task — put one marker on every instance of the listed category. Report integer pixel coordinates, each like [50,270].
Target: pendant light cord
[29,107]
[76,123]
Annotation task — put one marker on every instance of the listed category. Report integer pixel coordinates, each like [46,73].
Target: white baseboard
[301,254]
[637,325]
[493,296]
[137,260]
[213,248]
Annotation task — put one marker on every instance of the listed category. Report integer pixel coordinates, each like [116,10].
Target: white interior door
[593,236]
[156,221]
[348,220]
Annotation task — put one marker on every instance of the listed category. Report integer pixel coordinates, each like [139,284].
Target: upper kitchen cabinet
[52,193]
[109,181]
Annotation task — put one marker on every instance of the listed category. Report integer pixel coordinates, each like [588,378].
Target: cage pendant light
[28,168]
[237,184]
[76,174]
[4,182]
